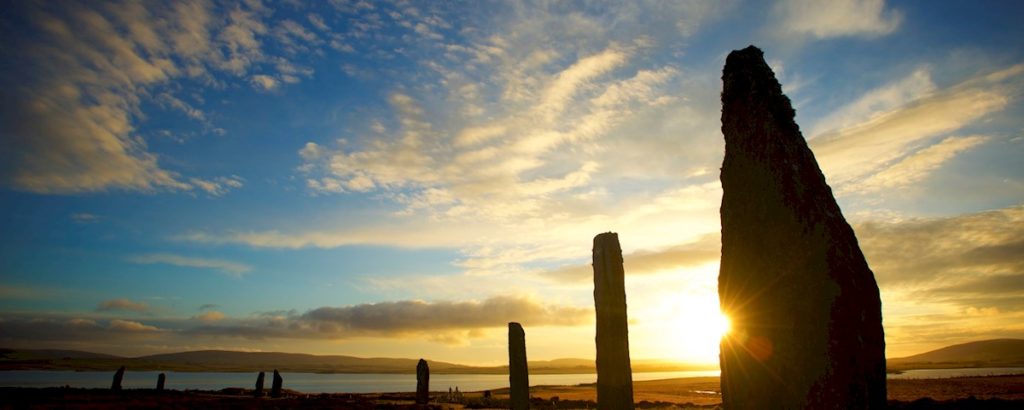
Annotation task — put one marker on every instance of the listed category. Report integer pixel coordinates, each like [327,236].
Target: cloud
[410,316]
[916,166]
[877,102]
[209,306]
[707,250]
[84,217]
[119,325]
[264,82]
[400,319]
[230,268]
[124,305]
[71,331]
[950,279]
[839,18]
[219,185]
[209,316]
[86,71]
[920,252]
[900,125]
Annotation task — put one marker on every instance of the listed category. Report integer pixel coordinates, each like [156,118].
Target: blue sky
[402,178]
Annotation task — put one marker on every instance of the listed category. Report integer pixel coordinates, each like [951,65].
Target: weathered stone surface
[118,377]
[614,375]
[160,380]
[258,392]
[518,374]
[805,309]
[275,389]
[422,382]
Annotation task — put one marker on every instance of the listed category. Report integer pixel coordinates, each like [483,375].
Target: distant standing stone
[614,374]
[118,377]
[275,389]
[804,305]
[259,385]
[160,379]
[422,382]
[518,374]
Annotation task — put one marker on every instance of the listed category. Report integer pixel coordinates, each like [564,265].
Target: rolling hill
[984,353]
[234,361]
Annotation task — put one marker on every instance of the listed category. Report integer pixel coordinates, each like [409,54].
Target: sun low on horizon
[402,179]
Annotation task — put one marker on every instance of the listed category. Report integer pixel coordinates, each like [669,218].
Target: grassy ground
[991,392]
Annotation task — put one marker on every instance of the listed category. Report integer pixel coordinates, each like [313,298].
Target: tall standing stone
[518,374]
[275,389]
[259,385]
[614,375]
[118,377]
[805,309]
[422,382]
[160,380]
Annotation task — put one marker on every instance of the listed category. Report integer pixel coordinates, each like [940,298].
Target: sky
[401,179]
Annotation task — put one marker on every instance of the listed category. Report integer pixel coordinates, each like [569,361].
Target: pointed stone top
[751,94]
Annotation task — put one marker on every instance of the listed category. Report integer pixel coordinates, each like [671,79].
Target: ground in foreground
[993,392]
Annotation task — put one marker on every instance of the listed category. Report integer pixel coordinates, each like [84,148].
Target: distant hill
[50,354]
[984,353]
[233,361]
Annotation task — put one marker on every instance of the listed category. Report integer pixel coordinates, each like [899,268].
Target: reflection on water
[369,383]
[946,373]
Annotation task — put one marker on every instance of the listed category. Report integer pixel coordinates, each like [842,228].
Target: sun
[696,326]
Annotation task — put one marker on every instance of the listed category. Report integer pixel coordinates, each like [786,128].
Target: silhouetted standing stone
[805,310]
[118,376]
[275,389]
[259,385]
[518,374]
[422,382]
[614,375]
[160,380]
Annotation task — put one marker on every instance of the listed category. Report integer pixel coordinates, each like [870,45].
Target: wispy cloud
[838,18]
[948,280]
[705,251]
[219,185]
[122,305]
[84,217]
[230,268]
[899,122]
[91,69]
[443,321]
[210,316]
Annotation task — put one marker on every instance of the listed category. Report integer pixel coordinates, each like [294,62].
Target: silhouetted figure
[259,385]
[275,389]
[422,382]
[160,380]
[118,376]
[614,375]
[518,374]
[805,310]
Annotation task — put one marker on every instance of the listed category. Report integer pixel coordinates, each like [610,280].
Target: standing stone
[259,385]
[275,389]
[805,310]
[614,375]
[518,375]
[422,382]
[118,376]
[160,380]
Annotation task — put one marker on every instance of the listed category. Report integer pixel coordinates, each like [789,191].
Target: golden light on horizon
[695,328]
